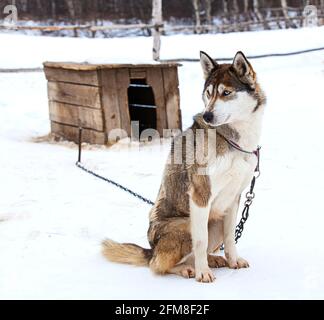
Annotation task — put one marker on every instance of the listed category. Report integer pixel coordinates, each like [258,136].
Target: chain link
[250,195]
[79,165]
[245,214]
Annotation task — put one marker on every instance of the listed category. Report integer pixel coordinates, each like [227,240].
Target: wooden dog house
[100,98]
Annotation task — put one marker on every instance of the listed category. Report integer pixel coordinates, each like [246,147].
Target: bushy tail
[126,253]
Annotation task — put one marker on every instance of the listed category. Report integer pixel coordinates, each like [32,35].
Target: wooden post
[157,22]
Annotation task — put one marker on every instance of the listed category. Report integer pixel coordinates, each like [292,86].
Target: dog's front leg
[199,231]
[234,261]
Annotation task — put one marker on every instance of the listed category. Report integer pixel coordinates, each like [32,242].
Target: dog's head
[231,91]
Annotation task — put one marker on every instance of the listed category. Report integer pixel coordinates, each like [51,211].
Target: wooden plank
[52,28]
[72,133]
[88,66]
[122,27]
[71,66]
[80,95]
[46,27]
[88,77]
[172,98]
[76,116]
[109,99]
[138,73]
[123,82]
[155,80]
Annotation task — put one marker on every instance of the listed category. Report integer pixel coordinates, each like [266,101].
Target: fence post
[157,22]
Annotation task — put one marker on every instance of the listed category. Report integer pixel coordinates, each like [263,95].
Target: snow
[36,50]
[53,216]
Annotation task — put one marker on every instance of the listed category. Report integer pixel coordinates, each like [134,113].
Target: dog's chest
[229,176]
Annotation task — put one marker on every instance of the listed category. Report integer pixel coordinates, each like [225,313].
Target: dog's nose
[208,116]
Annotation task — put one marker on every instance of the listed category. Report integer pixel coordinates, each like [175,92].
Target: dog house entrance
[141,104]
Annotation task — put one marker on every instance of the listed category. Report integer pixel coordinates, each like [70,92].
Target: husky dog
[195,213]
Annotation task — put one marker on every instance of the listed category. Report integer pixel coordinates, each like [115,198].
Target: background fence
[110,18]
[207,16]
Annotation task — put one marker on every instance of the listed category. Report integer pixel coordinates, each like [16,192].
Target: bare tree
[208,5]
[225,6]
[71,8]
[231,12]
[256,9]
[196,7]
[236,14]
[225,13]
[53,9]
[246,6]
[284,7]
[23,4]
[246,13]
[235,6]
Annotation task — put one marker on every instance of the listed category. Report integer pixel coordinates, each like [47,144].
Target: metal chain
[250,195]
[78,164]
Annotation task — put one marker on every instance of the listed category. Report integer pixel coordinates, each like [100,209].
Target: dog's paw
[184,270]
[205,275]
[239,263]
[188,272]
[216,261]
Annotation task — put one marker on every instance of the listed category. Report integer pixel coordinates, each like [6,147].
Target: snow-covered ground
[53,216]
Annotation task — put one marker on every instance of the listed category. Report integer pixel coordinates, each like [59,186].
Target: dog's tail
[126,253]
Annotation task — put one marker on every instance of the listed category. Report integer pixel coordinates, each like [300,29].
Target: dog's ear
[207,64]
[244,69]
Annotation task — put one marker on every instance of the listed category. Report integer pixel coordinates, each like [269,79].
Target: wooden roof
[90,66]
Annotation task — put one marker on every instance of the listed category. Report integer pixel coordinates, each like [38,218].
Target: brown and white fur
[195,213]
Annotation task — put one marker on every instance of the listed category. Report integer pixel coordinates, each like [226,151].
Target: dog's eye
[226,93]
